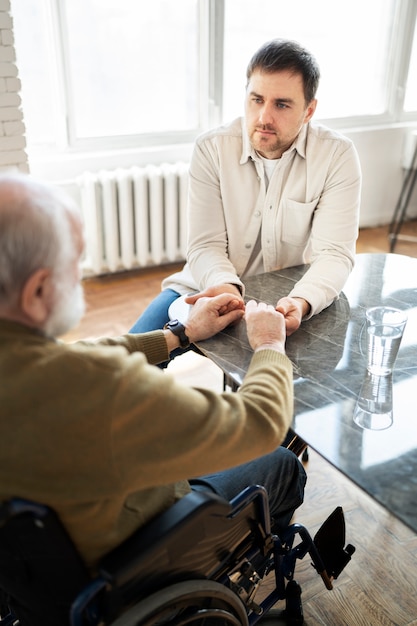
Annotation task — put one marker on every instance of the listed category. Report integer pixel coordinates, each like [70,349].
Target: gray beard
[69,307]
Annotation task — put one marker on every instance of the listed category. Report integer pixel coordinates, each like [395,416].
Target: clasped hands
[218,307]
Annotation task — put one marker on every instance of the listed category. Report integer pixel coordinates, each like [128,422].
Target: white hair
[36,230]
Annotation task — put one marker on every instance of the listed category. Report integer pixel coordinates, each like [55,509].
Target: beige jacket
[308,214]
[108,440]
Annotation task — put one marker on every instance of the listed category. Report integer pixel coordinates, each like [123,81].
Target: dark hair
[282,54]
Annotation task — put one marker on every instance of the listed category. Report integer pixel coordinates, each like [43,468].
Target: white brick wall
[12,129]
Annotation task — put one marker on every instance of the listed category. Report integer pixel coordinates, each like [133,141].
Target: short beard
[262,147]
[68,309]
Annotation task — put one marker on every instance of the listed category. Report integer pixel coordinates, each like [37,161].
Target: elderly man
[97,432]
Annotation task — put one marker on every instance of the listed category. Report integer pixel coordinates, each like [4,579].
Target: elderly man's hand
[265,326]
[210,315]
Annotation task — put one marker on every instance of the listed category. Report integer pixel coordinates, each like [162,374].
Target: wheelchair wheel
[194,602]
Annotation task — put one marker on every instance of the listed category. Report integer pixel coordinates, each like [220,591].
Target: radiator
[134,218]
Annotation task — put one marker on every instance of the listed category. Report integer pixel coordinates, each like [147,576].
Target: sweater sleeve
[165,432]
[152,344]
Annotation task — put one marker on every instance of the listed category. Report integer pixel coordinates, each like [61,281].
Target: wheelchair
[199,563]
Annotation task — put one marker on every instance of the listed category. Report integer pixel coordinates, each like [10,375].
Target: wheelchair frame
[201,561]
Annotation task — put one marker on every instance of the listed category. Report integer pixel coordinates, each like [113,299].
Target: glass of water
[373,409]
[385,327]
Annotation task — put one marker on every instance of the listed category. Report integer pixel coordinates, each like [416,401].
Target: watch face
[179,330]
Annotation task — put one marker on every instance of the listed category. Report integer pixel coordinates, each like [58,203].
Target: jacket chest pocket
[296,221]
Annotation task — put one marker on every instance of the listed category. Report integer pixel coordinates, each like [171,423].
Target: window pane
[350,41]
[410,102]
[133,66]
[35,70]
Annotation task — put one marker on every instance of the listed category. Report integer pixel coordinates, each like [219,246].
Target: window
[351,42]
[39,90]
[132,66]
[410,102]
[105,75]
[112,67]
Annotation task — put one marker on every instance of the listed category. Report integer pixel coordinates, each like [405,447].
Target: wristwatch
[178,329]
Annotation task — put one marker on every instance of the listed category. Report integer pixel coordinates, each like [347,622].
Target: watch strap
[178,329]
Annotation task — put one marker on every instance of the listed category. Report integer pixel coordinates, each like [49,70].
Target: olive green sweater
[108,440]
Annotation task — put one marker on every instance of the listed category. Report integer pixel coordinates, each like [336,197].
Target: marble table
[328,354]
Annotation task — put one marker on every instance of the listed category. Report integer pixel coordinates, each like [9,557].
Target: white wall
[381,152]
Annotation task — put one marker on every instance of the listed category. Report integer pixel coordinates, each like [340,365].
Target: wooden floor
[379,586]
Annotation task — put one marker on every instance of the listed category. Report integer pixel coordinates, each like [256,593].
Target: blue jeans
[280,472]
[155,316]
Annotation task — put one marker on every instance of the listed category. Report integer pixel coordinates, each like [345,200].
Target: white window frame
[403,32]
[58,52]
